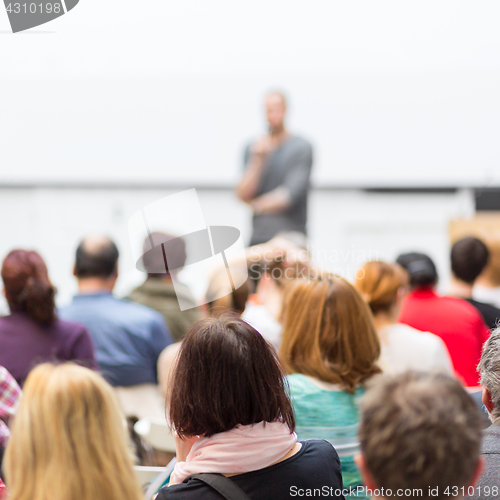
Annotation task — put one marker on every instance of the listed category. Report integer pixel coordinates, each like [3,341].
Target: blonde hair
[379,282]
[328,332]
[69,440]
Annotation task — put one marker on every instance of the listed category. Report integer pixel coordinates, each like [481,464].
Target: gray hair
[489,368]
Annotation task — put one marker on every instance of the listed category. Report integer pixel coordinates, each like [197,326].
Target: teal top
[316,409]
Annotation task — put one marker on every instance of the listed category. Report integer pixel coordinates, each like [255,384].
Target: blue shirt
[128,337]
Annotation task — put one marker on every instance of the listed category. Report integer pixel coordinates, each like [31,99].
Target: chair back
[151,479]
[156,432]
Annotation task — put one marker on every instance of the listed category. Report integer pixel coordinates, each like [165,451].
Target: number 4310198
[33,8]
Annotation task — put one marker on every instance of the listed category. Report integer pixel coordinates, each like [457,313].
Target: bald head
[96,257]
[275,110]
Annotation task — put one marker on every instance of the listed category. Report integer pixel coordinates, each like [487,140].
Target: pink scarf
[242,449]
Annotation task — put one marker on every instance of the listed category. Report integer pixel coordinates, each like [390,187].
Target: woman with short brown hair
[230,409]
[383,286]
[329,349]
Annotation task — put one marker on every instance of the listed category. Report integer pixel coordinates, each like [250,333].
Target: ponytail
[38,300]
[28,287]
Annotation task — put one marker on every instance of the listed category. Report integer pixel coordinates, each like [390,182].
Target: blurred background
[109,108]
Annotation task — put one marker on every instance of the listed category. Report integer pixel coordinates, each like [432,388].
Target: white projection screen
[124,92]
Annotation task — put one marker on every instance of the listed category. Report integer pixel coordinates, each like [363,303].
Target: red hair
[27,285]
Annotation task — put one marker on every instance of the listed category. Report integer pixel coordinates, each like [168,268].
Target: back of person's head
[157,261]
[489,368]
[226,374]
[221,297]
[69,440]
[469,257]
[379,284]
[328,332]
[96,257]
[27,286]
[419,431]
[421,269]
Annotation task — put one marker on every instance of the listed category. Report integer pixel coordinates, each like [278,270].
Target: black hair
[420,267]
[469,257]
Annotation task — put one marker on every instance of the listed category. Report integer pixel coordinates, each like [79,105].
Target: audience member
[33,333]
[487,286]
[158,291]
[420,437]
[273,264]
[488,485]
[230,409]
[128,337]
[456,321]
[469,257]
[329,349]
[10,397]
[383,286]
[68,440]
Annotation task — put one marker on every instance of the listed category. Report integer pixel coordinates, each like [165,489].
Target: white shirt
[262,320]
[405,348]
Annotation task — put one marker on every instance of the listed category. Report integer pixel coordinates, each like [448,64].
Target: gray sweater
[488,486]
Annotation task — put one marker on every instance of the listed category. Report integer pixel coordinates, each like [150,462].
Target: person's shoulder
[314,454]
[68,327]
[319,447]
[299,143]
[301,386]
[461,307]
[299,381]
[417,336]
[192,489]
[491,440]
[131,307]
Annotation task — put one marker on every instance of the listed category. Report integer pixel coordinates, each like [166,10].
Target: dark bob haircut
[226,374]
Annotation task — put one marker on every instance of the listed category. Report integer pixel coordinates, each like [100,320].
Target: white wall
[346,227]
[120,91]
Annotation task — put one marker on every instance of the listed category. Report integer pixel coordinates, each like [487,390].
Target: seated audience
[128,337]
[488,485]
[487,286]
[272,265]
[383,286]
[33,333]
[329,349]
[69,440]
[232,416]
[458,323]
[420,437]
[469,257]
[158,290]
[10,397]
